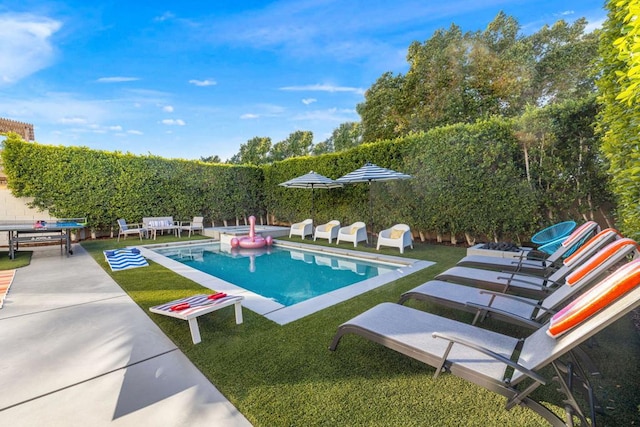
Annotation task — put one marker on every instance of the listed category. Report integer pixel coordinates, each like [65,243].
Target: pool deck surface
[77,351]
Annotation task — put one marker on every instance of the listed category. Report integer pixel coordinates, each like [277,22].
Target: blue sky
[192,78]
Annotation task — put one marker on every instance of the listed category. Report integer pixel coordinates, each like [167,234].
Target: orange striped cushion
[577,233]
[601,295]
[598,259]
[576,255]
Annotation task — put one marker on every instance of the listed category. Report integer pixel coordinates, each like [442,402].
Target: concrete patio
[77,351]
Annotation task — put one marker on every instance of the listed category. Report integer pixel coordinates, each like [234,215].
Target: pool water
[287,276]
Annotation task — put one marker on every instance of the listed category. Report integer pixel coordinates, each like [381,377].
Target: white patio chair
[304,228]
[398,236]
[327,231]
[356,232]
[197,224]
[126,229]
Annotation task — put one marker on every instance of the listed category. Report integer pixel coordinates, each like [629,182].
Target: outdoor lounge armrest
[519,299]
[514,279]
[483,309]
[508,296]
[520,262]
[452,340]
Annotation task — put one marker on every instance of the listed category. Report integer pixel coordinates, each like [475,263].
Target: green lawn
[286,376]
[21,259]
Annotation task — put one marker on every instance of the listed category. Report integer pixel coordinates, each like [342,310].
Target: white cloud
[594,25]
[72,120]
[135,132]
[164,17]
[308,101]
[56,107]
[203,82]
[249,116]
[115,128]
[26,45]
[167,109]
[173,122]
[330,115]
[116,79]
[324,88]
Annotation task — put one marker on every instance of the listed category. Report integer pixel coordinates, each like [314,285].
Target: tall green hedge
[469,181]
[104,186]
[619,86]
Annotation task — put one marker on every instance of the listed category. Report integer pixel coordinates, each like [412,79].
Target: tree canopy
[457,77]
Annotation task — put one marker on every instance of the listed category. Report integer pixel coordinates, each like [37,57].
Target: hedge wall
[468,180]
[104,186]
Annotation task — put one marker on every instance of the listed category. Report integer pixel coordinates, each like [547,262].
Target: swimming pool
[287,281]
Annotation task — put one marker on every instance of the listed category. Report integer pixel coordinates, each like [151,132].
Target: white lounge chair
[519,310]
[127,229]
[398,236]
[528,285]
[534,266]
[482,357]
[356,232]
[302,229]
[327,231]
[197,224]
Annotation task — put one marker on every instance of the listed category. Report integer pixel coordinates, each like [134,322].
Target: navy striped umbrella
[370,173]
[311,180]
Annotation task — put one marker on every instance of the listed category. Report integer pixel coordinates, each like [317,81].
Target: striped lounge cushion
[601,295]
[597,259]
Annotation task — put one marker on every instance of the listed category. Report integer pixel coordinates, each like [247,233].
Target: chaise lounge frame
[482,357]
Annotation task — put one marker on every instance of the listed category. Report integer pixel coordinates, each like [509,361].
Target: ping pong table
[38,232]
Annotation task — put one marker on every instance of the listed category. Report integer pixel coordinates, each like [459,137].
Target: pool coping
[275,311]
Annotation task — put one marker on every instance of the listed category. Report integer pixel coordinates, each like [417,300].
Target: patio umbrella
[311,180]
[370,173]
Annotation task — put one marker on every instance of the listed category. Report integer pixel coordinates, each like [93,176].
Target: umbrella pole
[370,213]
[312,210]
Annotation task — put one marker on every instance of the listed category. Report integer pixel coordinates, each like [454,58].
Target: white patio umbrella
[370,173]
[311,180]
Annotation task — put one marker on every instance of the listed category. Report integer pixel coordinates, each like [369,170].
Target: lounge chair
[197,224]
[527,264]
[398,236]
[524,311]
[356,232]
[130,229]
[302,229]
[483,357]
[529,285]
[327,231]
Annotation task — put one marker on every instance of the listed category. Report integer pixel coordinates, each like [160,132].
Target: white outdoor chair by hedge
[197,224]
[327,231]
[356,232]
[304,228]
[398,236]
[126,229]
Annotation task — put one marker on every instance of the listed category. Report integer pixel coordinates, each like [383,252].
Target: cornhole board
[199,305]
[123,259]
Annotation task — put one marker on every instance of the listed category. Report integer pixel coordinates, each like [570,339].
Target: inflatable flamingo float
[251,241]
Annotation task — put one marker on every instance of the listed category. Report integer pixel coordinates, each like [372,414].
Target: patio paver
[76,350]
